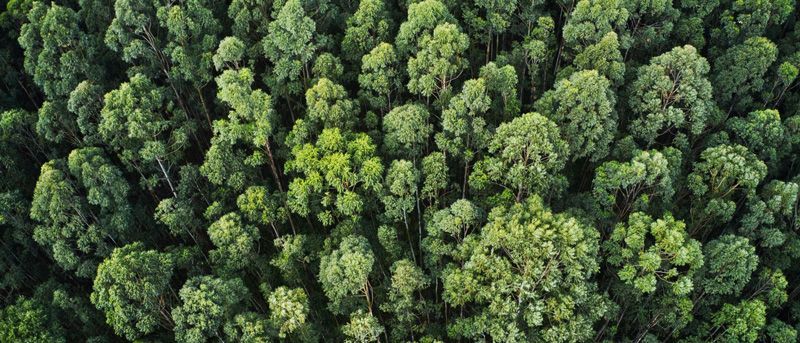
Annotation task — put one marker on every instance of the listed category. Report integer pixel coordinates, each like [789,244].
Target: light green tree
[439,60]
[334,176]
[206,304]
[526,156]
[671,93]
[406,130]
[344,275]
[526,277]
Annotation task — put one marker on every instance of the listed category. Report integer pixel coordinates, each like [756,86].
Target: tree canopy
[400,171]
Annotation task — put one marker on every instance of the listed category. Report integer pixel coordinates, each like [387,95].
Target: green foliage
[329,107]
[399,171]
[289,45]
[421,20]
[362,328]
[526,156]
[406,130]
[334,176]
[638,185]
[740,71]
[447,229]
[464,129]
[583,108]
[670,261]
[369,26]
[82,209]
[730,260]
[407,281]
[723,174]
[379,78]
[142,128]
[531,265]
[672,92]
[603,56]
[344,274]
[132,287]
[288,310]
[593,19]
[401,187]
[740,322]
[27,320]
[235,242]
[206,303]
[439,61]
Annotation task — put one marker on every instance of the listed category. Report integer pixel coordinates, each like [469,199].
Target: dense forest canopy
[400,171]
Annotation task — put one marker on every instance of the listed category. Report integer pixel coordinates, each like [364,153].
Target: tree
[192,35]
[638,185]
[741,322]
[206,303]
[591,20]
[86,101]
[501,82]
[333,176]
[362,328]
[401,186]
[82,209]
[603,56]
[423,17]
[249,23]
[447,229]
[248,327]
[671,261]
[739,21]
[434,177]
[723,174]
[329,107]
[671,93]
[739,73]
[464,132]
[379,80]
[650,25]
[526,157]
[763,133]
[136,123]
[527,277]
[27,320]
[344,275]
[487,19]
[289,45]
[401,195]
[654,260]
[769,216]
[583,108]
[257,204]
[408,280]
[235,242]
[133,288]
[439,61]
[406,130]
[368,27]
[288,310]
[58,55]
[241,142]
[730,260]
[328,66]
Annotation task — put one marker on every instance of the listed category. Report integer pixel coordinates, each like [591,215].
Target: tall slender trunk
[279,182]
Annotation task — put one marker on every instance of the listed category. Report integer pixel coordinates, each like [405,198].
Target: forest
[400,171]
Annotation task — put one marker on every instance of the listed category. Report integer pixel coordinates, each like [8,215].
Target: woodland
[400,171]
